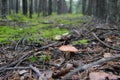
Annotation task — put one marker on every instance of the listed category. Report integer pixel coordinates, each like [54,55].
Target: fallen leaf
[108,40]
[47,74]
[106,55]
[22,72]
[102,76]
[68,65]
[58,62]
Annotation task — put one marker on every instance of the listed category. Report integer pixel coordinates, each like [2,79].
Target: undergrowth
[35,29]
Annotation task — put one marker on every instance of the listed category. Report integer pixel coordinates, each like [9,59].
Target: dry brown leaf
[58,62]
[22,72]
[106,55]
[97,49]
[62,72]
[47,74]
[68,65]
[102,76]
[108,40]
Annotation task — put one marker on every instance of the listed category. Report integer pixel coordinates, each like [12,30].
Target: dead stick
[104,43]
[2,68]
[85,67]
[17,68]
[39,74]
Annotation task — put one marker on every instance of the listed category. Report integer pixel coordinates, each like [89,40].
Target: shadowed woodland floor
[97,56]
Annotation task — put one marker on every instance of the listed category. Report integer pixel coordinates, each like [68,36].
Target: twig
[3,68]
[20,41]
[85,67]
[15,68]
[37,72]
[104,43]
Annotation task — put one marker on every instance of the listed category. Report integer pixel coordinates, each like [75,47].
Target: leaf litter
[97,58]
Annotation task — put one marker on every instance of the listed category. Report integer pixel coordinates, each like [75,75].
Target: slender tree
[44,8]
[31,9]
[90,7]
[49,7]
[70,7]
[79,6]
[24,7]
[83,6]
[113,11]
[17,6]
[54,5]
[35,8]
[100,9]
[62,7]
[4,9]
[40,5]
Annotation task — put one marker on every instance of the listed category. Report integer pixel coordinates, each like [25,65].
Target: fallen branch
[104,43]
[85,67]
[3,68]
[39,74]
[17,68]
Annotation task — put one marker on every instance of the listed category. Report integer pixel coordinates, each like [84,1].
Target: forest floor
[64,47]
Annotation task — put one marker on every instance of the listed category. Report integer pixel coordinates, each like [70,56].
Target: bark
[31,9]
[100,9]
[35,6]
[17,6]
[62,7]
[50,7]
[24,6]
[54,5]
[70,7]
[40,5]
[4,9]
[44,8]
[83,6]
[113,10]
[89,8]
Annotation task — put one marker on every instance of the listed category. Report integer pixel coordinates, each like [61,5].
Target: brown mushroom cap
[68,48]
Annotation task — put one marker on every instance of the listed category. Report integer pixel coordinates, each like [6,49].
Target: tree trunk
[44,9]
[4,9]
[50,7]
[35,6]
[78,6]
[100,9]
[54,5]
[62,7]
[89,8]
[31,9]
[112,16]
[83,6]
[17,6]
[24,6]
[40,5]
[70,7]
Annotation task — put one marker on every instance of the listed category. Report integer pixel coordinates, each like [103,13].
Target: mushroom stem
[67,55]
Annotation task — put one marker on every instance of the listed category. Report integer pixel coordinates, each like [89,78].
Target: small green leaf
[45,58]
[33,58]
[83,41]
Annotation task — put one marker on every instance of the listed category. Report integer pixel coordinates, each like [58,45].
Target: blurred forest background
[59,39]
[108,10]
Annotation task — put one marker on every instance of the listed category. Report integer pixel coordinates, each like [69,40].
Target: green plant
[44,58]
[52,32]
[33,59]
[83,41]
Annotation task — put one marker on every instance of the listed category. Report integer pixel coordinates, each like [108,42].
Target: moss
[34,30]
[83,41]
[52,32]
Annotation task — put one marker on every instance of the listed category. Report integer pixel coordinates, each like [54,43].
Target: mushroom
[68,49]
